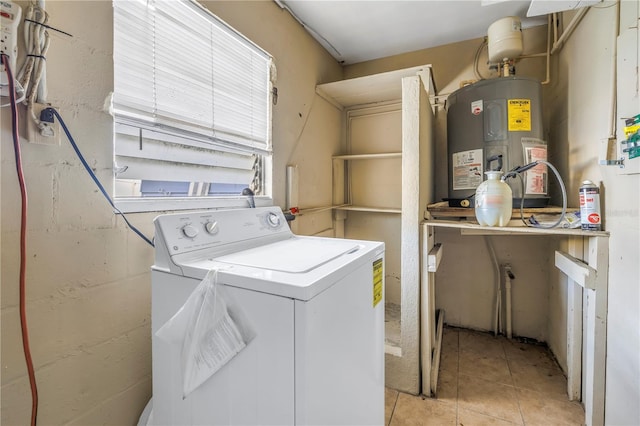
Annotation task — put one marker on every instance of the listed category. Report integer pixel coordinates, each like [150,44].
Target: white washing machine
[315,305]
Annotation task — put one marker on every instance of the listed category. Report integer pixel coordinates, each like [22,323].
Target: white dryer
[315,305]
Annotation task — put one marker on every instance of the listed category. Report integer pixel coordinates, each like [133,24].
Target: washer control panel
[215,229]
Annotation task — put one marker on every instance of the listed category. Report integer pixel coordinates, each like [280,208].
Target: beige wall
[88,281]
[579,116]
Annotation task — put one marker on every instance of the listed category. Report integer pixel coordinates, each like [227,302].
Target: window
[192,107]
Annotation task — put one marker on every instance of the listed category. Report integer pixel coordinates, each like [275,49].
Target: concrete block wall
[88,280]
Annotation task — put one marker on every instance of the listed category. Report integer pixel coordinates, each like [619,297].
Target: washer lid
[294,255]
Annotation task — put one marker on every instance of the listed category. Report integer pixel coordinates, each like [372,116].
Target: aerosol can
[590,218]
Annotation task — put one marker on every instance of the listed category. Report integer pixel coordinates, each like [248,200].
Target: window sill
[163,204]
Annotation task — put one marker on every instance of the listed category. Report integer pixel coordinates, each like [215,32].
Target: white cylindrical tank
[505,39]
[493,201]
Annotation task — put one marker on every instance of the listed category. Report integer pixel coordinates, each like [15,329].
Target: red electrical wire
[23,243]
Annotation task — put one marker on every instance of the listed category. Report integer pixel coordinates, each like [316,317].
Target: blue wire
[95,179]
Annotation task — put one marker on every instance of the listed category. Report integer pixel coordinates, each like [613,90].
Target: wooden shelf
[407,182]
[369,209]
[466,221]
[383,87]
[470,228]
[381,155]
[442,209]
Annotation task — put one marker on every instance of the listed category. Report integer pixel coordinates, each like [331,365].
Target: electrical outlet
[10,14]
[50,135]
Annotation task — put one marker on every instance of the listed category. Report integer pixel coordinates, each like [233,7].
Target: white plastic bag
[209,335]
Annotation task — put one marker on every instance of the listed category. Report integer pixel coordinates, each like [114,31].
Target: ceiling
[357,31]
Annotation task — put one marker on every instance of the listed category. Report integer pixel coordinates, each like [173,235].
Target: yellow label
[519,112]
[629,130]
[377,282]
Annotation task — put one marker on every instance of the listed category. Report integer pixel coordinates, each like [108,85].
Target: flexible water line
[518,171]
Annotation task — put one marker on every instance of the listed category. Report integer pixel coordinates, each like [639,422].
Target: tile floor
[487,380]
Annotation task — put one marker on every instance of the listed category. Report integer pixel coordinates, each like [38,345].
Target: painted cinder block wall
[88,276]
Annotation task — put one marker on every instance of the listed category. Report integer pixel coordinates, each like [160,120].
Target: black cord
[47,26]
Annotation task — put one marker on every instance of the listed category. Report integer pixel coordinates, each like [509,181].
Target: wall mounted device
[10,14]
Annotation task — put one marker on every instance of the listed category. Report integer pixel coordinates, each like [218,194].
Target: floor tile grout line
[513,381]
[393,410]
[457,376]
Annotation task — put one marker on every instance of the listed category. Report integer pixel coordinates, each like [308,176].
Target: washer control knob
[189,231]
[273,220]
[211,227]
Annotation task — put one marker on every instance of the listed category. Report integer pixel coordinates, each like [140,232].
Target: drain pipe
[557,45]
[550,23]
[497,316]
[508,276]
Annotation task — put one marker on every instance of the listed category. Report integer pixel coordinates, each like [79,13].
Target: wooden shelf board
[369,89]
[369,209]
[381,155]
[445,217]
[470,228]
[442,209]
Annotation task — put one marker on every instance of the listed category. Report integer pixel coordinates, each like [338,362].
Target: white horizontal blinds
[184,78]
[143,154]
[240,91]
[134,60]
[177,66]
[192,97]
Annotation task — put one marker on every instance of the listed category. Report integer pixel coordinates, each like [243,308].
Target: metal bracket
[619,162]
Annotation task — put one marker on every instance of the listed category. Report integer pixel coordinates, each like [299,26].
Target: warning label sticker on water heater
[467,169]
[519,113]
[377,281]
[536,178]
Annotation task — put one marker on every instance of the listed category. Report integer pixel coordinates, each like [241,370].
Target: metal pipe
[291,190]
[494,260]
[508,276]
[557,45]
[614,76]
[549,24]
[554,16]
